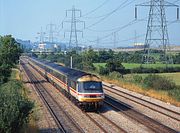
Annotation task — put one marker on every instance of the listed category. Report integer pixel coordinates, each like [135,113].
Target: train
[82,87]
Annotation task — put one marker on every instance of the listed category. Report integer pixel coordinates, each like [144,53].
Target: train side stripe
[71,89]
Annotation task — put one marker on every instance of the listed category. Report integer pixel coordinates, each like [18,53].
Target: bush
[144,70]
[5,72]
[114,65]
[88,66]
[137,78]
[14,107]
[155,70]
[103,71]
[115,75]
[175,93]
[158,82]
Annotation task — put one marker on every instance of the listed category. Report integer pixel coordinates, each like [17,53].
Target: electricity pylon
[157,31]
[52,29]
[75,14]
[114,34]
[41,36]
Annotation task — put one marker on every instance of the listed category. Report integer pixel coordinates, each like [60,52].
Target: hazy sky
[24,18]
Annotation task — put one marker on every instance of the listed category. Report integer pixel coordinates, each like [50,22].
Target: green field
[135,65]
[175,77]
[99,64]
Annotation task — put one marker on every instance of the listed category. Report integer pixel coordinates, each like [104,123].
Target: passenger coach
[84,88]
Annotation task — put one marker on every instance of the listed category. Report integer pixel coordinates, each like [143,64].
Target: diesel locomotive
[85,88]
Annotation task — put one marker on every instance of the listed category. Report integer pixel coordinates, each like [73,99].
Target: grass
[31,125]
[15,75]
[169,96]
[99,64]
[161,95]
[175,77]
[131,65]
[136,65]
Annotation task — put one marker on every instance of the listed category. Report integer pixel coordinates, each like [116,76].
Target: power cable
[125,40]
[113,28]
[107,15]
[117,30]
[176,1]
[95,8]
[109,12]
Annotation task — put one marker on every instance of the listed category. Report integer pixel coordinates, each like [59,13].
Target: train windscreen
[90,87]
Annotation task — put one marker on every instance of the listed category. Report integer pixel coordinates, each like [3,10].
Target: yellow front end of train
[90,91]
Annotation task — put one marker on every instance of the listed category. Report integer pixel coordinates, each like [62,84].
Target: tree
[9,50]
[5,72]
[113,65]
[9,54]
[177,59]
[105,55]
[91,56]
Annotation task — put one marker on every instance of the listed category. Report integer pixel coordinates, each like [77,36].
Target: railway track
[103,117]
[104,128]
[143,102]
[153,125]
[148,122]
[64,121]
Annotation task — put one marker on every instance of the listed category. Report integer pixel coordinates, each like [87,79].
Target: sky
[24,19]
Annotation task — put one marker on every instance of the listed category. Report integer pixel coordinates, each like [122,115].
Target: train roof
[71,73]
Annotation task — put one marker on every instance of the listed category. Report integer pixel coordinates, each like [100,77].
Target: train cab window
[90,87]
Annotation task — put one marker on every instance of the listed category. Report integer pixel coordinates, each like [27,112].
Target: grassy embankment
[128,83]
[31,126]
[13,95]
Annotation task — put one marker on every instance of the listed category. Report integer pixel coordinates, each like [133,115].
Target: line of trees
[85,60]
[105,56]
[14,106]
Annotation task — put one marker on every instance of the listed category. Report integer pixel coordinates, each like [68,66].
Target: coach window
[73,85]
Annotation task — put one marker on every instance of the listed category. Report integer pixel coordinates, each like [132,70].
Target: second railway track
[158,108]
[152,124]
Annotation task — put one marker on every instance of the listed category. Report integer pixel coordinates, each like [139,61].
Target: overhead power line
[95,8]
[108,30]
[119,7]
[117,30]
[176,1]
[109,14]
[125,40]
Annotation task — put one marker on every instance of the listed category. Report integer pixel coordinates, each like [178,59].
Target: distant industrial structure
[48,47]
[47,41]
[139,45]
